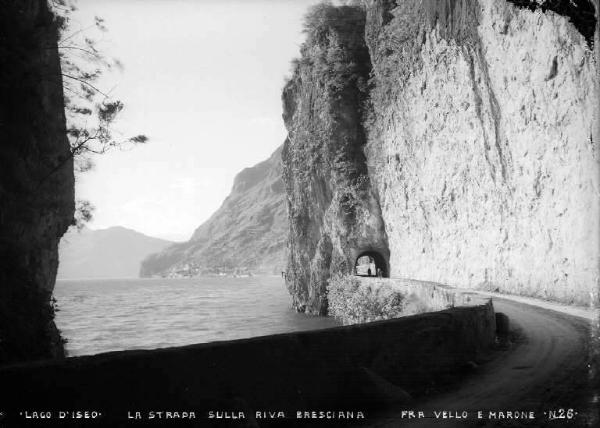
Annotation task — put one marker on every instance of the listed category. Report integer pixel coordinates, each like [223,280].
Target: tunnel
[371,263]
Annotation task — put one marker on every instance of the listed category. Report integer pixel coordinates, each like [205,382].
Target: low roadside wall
[437,295]
[355,299]
[351,368]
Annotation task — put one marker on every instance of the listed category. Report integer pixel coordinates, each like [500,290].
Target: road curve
[546,369]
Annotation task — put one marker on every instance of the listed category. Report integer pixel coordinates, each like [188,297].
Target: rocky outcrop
[481,127]
[36,180]
[333,212]
[484,148]
[247,234]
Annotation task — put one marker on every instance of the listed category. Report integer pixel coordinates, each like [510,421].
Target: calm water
[109,315]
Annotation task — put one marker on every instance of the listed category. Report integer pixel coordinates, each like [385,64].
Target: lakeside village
[365,266]
[191,270]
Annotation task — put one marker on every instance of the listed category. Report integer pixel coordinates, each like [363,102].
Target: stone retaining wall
[354,299]
[354,368]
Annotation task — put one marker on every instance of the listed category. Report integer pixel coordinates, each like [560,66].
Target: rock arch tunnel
[371,263]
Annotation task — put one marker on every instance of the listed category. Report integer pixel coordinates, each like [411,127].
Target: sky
[202,79]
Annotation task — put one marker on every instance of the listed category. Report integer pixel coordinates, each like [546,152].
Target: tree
[90,112]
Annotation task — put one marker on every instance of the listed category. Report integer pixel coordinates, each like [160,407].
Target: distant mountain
[115,252]
[247,234]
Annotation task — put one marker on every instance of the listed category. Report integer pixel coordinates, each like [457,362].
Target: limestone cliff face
[247,234]
[484,147]
[36,180]
[333,211]
[482,131]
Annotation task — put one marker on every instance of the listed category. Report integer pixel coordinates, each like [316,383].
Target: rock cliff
[479,127]
[247,234]
[36,180]
[333,211]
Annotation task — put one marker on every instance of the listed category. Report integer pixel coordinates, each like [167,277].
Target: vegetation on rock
[332,210]
[457,138]
[354,300]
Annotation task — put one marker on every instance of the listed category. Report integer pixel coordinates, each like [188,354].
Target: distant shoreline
[134,278]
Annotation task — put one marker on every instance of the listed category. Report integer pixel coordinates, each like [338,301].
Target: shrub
[354,301]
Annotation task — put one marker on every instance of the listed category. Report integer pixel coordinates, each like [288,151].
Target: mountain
[115,252]
[247,234]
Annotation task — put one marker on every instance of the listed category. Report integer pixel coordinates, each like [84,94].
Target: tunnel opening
[371,263]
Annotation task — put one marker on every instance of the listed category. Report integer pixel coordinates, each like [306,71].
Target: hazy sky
[203,80]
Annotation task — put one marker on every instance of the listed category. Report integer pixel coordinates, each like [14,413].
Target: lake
[117,314]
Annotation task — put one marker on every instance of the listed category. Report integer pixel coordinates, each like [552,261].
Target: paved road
[546,369]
